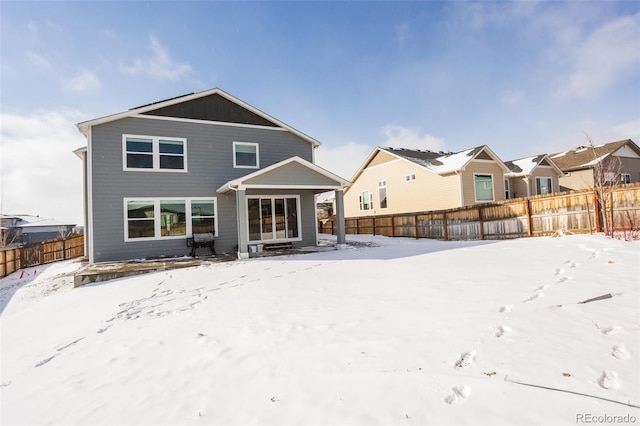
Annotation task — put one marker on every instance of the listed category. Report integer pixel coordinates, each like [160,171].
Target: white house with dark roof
[394,181]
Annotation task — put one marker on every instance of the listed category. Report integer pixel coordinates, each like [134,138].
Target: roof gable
[438,162]
[584,157]
[526,166]
[213,105]
[279,175]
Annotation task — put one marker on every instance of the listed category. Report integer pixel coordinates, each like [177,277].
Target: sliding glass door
[273,218]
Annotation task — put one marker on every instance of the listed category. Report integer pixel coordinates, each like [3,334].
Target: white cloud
[159,65]
[343,160]
[608,53]
[39,173]
[83,82]
[38,60]
[403,137]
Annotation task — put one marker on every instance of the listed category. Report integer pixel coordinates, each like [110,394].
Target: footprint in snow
[61,348]
[558,271]
[102,330]
[620,352]
[44,361]
[533,297]
[572,264]
[502,330]
[561,280]
[459,394]
[505,308]
[466,359]
[610,330]
[542,287]
[608,380]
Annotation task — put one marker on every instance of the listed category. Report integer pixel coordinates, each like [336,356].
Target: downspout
[89,235]
[461,188]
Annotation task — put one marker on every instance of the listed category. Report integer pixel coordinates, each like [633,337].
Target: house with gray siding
[206,162]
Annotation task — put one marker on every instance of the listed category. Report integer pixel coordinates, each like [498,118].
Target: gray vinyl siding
[209,162]
[292,172]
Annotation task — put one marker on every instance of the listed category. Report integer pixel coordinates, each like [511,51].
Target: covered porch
[276,205]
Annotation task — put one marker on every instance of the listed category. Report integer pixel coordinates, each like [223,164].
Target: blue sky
[523,78]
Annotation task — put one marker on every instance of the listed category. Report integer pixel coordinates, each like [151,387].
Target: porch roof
[292,173]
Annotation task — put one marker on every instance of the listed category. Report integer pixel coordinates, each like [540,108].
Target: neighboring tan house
[203,163]
[529,176]
[27,229]
[405,180]
[620,163]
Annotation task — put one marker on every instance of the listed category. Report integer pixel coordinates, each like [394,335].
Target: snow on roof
[30,221]
[523,166]
[454,161]
[440,162]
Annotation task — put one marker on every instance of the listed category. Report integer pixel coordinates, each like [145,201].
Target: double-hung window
[246,155]
[166,218]
[625,177]
[154,153]
[483,187]
[543,186]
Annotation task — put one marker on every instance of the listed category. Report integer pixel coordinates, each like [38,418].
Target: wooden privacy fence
[15,258]
[575,211]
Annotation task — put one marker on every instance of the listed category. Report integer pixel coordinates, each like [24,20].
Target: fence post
[445,226]
[415,226]
[527,210]
[481,223]
[393,226]
[613,225]
[374,226]
[596,211]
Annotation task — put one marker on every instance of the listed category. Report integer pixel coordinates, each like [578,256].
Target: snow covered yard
[389,331]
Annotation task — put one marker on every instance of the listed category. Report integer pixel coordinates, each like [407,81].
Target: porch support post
[243,238]
[340,228]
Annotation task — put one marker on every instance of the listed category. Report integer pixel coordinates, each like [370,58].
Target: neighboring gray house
[27,229]
[205,162]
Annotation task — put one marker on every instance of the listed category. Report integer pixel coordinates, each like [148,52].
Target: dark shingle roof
[583,157]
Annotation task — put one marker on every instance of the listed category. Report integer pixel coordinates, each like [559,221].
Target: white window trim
[257,166]
[539,178]
[493,188]
[383,185]
[623,177]
[272,197]
[411,177]
[157,221]
[155,153]
[361,201]
[507,189]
